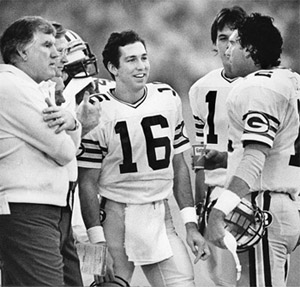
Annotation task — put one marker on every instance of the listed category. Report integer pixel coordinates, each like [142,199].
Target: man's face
[41,54]
[239,59]
[222,43]
[61,45]
[134,66]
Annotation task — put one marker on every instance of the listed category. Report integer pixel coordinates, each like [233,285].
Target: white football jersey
[134,145]
[208,103]
[264,108]
[78,84]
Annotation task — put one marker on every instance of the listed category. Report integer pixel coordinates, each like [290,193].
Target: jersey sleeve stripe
[182,143]
[257,138]
[180,140]
[199,127]
[88,141]
[90,159]
[92,154]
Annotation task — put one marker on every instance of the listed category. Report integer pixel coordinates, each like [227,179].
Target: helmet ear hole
[82,63]
[247,223]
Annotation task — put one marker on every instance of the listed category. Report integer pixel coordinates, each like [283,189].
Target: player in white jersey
[263,112]
[134,160]
[80,90]
[208,103]
[76,64]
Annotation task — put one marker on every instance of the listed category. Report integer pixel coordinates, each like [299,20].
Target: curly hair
[262,39]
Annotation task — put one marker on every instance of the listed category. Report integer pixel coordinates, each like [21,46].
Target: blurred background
[177,32]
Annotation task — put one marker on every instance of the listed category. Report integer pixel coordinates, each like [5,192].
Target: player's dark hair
[232,17]
[262,39]
[60,30]
[20,33]
[111,53]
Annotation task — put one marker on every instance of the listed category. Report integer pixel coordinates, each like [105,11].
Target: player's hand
[215,159]
[215,229]
[110,275]
[88,114]
[196,242]
[58,117]
[59,88]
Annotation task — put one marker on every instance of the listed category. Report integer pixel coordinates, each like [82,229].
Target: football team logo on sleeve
[260,127]
[256,122]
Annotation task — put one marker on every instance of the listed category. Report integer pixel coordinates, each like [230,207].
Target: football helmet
[118,282]
[247,223]
[82,62]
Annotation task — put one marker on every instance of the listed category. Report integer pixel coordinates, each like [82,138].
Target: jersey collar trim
[226,78]
[134,105]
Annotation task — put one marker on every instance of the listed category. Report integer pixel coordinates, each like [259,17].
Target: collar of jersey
[226,78]
[133,105]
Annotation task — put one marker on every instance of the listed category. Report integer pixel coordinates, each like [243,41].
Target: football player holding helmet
[247,223]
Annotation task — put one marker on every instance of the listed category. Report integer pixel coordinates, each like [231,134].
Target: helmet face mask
[82,62]
[247,223]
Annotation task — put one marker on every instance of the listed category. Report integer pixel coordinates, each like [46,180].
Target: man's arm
[246,173]
[184,197]
[90,210]
[88,195]
[200,186]
[63,120]
[201,198]
[28,125]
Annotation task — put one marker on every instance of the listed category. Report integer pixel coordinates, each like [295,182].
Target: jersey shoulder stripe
[180,139]
[100,97]
[91,151]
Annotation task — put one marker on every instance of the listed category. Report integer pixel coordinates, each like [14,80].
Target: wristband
[188,214]
[227,201]
[96,234]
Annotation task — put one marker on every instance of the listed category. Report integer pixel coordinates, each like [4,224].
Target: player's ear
[112,68]
[22,52]
[247,52]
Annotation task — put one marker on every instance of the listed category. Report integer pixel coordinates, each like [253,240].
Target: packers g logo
[256,122]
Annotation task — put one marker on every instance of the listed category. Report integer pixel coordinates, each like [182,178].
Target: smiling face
[41,54]
[134,67]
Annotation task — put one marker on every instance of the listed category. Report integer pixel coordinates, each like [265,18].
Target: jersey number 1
[211,96]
